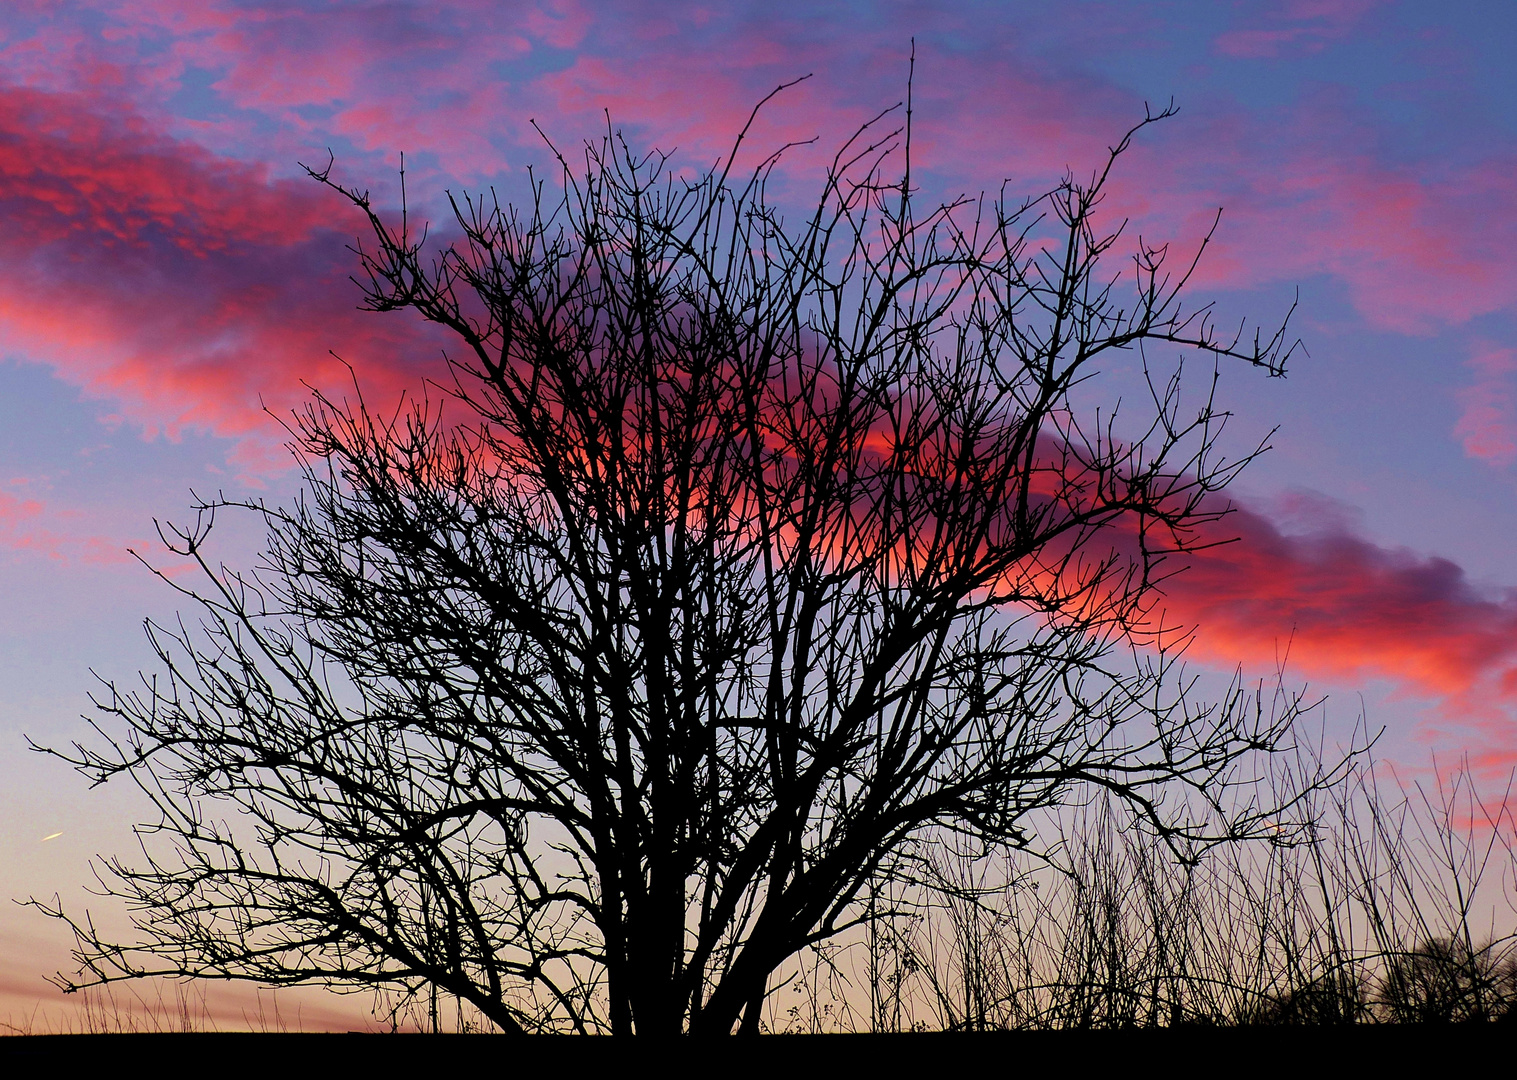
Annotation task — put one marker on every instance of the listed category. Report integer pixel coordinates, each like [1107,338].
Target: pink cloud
[1305,189]
[429,80]
[1487,427]
[1416,251]
[1418,244]
[193,289]
[27,526]
[1296,26]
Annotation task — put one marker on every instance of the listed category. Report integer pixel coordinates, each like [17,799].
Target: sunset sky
[168,273]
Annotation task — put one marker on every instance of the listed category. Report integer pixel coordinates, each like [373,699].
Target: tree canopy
[740,559]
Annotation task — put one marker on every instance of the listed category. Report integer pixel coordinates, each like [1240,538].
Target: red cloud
[69,170]
[1349,610]
[194,289]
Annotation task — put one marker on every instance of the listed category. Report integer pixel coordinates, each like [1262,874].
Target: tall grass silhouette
[1383,901]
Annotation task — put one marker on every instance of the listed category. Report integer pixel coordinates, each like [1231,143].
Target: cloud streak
[30,527]
[1296,26]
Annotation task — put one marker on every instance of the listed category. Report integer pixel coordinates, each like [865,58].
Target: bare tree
[749,557]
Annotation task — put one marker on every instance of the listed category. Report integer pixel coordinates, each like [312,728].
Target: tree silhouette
[739,561]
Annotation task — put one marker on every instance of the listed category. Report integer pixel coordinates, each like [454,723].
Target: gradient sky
[166,272]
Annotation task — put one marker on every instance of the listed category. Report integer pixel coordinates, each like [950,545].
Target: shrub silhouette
[1329,1000]
[1448,981]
